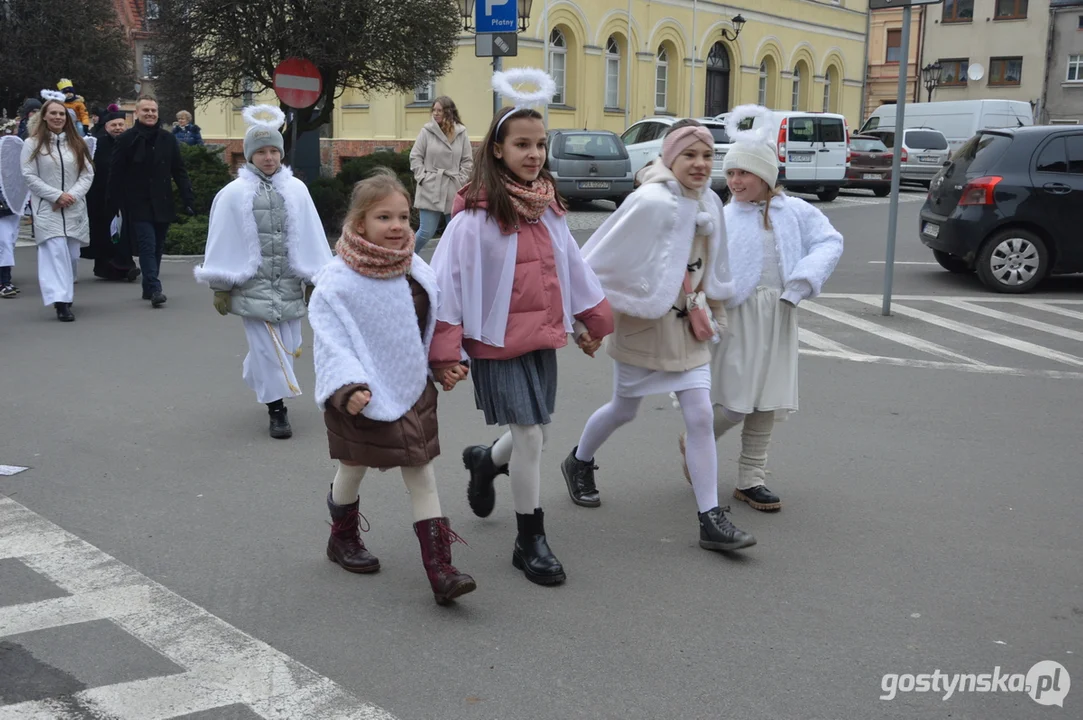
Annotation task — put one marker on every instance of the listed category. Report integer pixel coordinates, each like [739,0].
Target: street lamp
[466,10]
[930,75]
[738,25]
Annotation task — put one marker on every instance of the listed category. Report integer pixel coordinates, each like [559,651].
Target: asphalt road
[931,490]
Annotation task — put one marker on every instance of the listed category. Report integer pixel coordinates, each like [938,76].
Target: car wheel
[828,194]
[881,192]
[952,263]
[1013,261]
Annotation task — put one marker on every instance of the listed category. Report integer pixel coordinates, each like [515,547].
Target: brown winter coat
[411,441]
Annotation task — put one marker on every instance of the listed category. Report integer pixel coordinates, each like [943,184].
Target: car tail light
[980,190]
[904,156]
[782,142]
[849,152]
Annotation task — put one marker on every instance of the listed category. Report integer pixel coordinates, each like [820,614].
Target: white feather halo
[48,95]
[739,115]
[505,83]
[265,116]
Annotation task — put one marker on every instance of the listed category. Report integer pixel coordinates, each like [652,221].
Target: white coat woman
[781,251]
[441,160]
[59,171]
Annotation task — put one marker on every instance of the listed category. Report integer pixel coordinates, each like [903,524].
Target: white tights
[701,453]
[520,448]
[420,484]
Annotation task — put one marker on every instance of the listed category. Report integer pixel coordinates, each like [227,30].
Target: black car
[590,165]
[1009,205]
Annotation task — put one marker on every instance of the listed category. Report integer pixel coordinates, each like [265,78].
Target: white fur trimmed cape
[640,252]
[808,247]
[365,332]
[233,249]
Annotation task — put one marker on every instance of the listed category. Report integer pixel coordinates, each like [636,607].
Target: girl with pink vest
[512,287]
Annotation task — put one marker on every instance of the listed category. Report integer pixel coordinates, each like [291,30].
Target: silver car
[924,152]
[590,165]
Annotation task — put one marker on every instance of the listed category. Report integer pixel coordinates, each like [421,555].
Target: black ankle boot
[480,493]
[280,423]
[63,312]
[716,532]
[579,477]
[532,554]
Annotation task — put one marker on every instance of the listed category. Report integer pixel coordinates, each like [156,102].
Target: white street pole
[896,160]
[545,51]
[692,74]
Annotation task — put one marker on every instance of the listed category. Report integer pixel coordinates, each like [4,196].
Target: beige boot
[755,439]
[721,425]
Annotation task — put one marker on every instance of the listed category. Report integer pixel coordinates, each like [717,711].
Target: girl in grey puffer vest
[265,243]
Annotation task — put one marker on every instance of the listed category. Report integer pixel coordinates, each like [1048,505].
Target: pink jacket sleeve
[446,347]
[599,320]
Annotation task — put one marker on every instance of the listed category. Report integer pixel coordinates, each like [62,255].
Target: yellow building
[791,54]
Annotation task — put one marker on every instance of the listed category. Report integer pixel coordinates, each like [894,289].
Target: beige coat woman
[441,166]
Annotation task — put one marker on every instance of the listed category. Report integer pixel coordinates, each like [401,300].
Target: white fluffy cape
[475,268]
[233,250]
[640,253]
[365,331]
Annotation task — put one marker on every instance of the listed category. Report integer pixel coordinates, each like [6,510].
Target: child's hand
[449,377]
[588,344]
[358,401]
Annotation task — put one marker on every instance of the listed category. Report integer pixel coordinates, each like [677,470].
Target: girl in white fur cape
[373,314]
[265,243]
[782,250]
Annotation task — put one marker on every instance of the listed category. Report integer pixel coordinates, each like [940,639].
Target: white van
[813,150]
[959,120]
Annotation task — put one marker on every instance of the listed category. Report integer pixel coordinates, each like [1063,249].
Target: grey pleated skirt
[519,391]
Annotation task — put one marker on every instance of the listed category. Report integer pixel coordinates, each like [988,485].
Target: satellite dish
[975,72]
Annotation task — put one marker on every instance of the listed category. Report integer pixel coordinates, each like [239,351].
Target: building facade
[137,17]
[614,68]
[989,49]
[1062,101]
[885,57]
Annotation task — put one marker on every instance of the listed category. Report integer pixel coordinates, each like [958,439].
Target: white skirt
[268,367]
[9,233]
[755,366]
[635,381]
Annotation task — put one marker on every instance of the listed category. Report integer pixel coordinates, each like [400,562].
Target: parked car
[813,150]
[590,165]
[958,120]
[644,142]
[1009,205]
[870,165]
[924,152]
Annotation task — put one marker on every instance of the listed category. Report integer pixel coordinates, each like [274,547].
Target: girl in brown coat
[372,321]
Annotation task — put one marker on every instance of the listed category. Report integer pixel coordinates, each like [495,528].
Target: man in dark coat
[146,163]
[112,261]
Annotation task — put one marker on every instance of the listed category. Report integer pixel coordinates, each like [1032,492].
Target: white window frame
[558,65]
[1075,62]
[661,76]
[795,94]
[151,65]
[425,92]
[827,92]
[612,73]
[762,89]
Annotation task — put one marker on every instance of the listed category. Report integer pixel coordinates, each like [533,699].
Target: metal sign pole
[896,160]
[293,138]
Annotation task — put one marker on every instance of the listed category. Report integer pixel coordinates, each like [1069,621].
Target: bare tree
[224,48]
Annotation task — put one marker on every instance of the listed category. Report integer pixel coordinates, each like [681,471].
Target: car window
[887,138]
[631,135]
[871,124]
[869,146]
[981,152]
[719,134]
[1075,154]
[1053,158]
[596,147]
[653,131]
[802,129]
[925,140]
[830,130]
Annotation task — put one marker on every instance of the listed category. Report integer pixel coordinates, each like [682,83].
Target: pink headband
[681,139]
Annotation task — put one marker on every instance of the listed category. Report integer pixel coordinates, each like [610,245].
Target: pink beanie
[681,139]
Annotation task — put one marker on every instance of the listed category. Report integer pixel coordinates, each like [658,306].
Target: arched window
[718,58]
[661,80]
[827,92]
[558,60]
[795,100]
[763,84]
[612,73]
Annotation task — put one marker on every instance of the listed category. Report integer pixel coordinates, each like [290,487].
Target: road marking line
[1013,319]
[865,297]
[941,365]
[821,343]
[982,334]
[1051,308]
[902,262]
[9,470]
[224,665]
[887,333]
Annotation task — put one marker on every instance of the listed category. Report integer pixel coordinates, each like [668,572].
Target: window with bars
[1010,9]
[612,73]
[1005,71]
[558,62]
[795,97]
[1075,68]
[894,46]
[958,11]
[661,80]
[953,72]
[425,92]
[762,98]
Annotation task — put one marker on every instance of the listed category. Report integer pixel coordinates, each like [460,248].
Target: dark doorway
[718,80]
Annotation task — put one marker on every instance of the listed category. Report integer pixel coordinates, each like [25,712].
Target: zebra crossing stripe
[941,365]
[1051,308]
[1013,319]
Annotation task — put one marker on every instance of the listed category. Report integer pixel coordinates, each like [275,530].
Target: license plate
[872,176]
[931,229]
[929,158]
[593,185]
[720,156]
[800,158]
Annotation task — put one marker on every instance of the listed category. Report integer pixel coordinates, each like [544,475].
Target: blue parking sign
[495,16]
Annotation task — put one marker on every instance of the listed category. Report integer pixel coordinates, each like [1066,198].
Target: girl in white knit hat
[781,251]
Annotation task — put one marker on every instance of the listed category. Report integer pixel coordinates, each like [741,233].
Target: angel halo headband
[739,115]
[56,95]
[505,82]
[265,116]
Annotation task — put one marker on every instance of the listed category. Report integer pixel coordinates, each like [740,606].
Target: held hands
[588,344]
[449,377]
[65,200]
[221,302]
[358,401]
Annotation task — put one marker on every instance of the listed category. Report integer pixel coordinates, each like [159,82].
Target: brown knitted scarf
[531,200]
[372,260]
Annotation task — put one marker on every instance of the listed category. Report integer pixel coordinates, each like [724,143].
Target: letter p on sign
[490,4]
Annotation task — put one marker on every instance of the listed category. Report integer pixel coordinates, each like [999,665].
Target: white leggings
[420,484]
[520,448]
[701,453]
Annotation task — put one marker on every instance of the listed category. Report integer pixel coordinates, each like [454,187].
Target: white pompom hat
[752,150]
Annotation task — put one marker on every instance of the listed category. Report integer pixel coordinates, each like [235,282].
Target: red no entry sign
[297,82]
